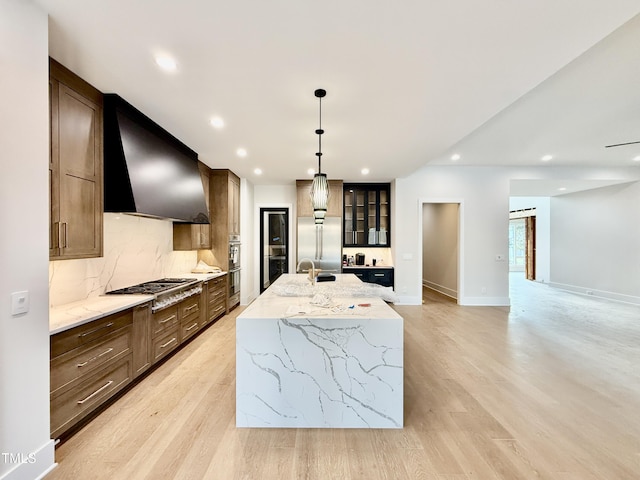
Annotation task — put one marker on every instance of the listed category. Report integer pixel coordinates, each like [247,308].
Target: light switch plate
[19,303]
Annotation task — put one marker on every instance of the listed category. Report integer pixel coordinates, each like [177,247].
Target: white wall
[543,231]
[440,247]
[24,186]
[483,193]
[248,259]
[272,196]
[484,196]
[595,242]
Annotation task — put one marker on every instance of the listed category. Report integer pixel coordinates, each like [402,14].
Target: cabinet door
[366,220]
[75,170]
[141,338]
[234,205]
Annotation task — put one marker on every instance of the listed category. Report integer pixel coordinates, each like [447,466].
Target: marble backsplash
[136,249]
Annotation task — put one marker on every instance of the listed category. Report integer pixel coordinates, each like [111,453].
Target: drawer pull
[378,274]
[106,385]
[91,332]
[165,345]
[109,350]
[188,309]
[168,319]
[195,325]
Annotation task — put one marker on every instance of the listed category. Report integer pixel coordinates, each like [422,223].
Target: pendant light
[320,186]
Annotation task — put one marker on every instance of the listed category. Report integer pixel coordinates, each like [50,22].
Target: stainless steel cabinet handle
[188,309]
[106,385]
[83,364]
[168,319]
[91,332]
[64,229]
[378,274]
[195,325]
[168,343]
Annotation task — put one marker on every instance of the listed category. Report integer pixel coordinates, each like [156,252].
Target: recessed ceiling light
[311,171]
[258,171]
[241,152]
[562,189]
[455,157]
[217,122]
[636,159]
[364,171]
[546,158]
[166,63]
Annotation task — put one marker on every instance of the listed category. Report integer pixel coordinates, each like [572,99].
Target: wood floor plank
[549,389]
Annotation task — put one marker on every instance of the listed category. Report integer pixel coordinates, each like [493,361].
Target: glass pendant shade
[319,196]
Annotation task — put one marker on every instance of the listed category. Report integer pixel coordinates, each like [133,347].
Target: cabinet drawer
[188,328]
[216,283]
[84,360]
[70,407]
[218,294]
[164,320]
[165,344]
[84,334]
[381,277]
[189,309]
[216,310]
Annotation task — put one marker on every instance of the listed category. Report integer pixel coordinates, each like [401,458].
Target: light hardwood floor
[549,389]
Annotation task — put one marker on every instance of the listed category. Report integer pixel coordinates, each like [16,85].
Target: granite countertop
[67,316]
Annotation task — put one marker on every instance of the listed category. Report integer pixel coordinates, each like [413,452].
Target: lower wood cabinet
[91,363]
[216,296]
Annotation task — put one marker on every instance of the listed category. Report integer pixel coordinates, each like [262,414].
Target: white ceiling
[408,83]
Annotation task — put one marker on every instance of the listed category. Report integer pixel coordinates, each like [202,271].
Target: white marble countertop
[70,315]
[293,295]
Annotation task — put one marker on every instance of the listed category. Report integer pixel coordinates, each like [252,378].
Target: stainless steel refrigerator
[321,244]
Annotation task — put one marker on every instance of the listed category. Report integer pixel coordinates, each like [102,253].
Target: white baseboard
[449,292]
[408,300]
[485,301]
[33,465]
[592,292]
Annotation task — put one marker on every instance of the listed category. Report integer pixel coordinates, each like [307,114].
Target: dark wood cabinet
[75,166]
[380,276]
[367,215]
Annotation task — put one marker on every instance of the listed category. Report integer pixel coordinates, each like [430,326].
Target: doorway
[274,245]
[522,242]
[441,248]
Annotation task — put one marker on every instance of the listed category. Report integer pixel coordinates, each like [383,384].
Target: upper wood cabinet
[304,208]
[188,236]
[224,206]
[367,215]
[234,204]
[75,166]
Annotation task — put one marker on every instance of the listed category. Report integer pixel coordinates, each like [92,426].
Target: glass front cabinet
[366,216]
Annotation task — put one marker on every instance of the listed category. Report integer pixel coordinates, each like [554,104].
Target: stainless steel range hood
[147,171]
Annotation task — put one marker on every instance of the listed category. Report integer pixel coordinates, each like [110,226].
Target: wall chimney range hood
[147,171]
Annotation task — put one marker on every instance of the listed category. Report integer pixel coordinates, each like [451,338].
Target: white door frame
[460,203]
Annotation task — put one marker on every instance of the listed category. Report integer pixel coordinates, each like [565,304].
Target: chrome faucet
[313,267]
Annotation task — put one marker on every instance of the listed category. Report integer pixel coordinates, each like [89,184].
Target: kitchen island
[323,355]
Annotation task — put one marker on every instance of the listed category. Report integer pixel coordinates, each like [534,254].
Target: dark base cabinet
[381,276]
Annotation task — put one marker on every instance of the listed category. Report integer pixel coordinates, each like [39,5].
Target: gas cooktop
[154,286]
